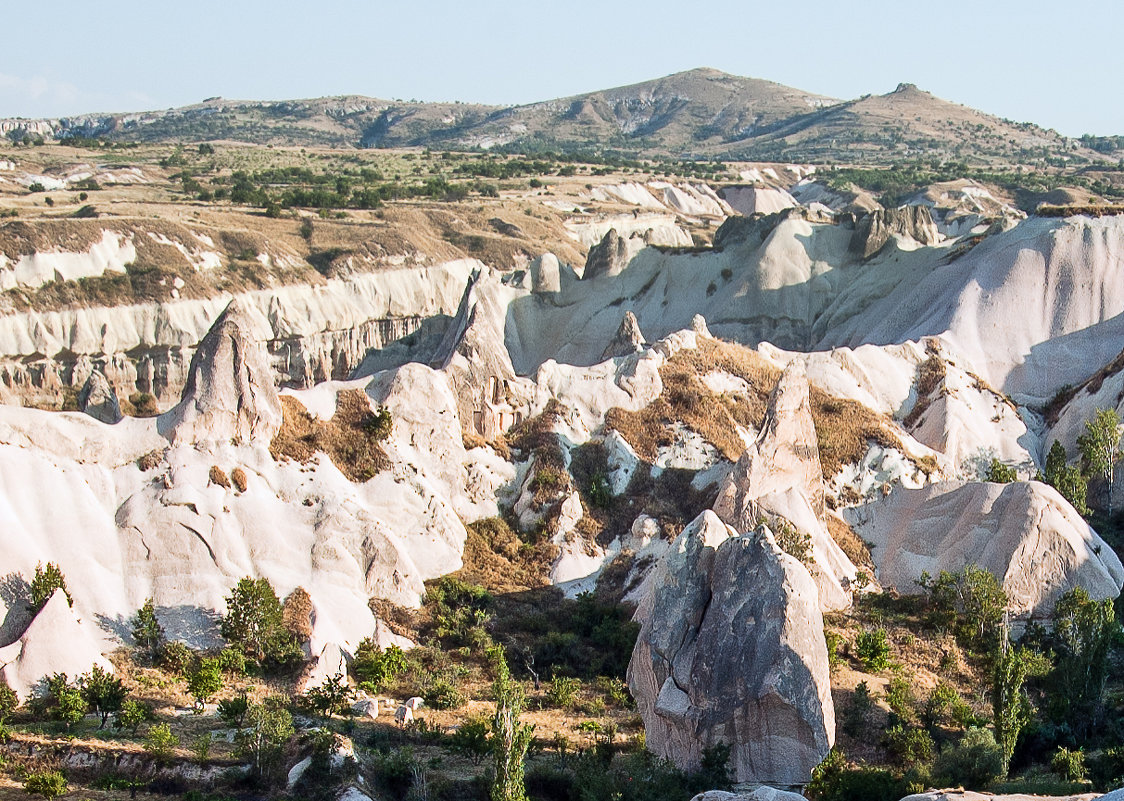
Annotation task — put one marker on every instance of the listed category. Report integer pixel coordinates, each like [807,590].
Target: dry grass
[1046,210]
[930,374]
[844,428]
[850,542]
[351,438]
[296,614]
[497,559]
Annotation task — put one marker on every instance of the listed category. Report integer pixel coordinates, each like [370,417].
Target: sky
[1054,64]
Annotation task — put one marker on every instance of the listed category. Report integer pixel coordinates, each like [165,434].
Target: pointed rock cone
[785,455]
[608,257]
[55,642]
[627,340]
[98,399]
[229,394]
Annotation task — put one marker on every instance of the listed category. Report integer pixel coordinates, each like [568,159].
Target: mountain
[700,113]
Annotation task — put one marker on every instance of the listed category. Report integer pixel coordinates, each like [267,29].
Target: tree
[204,682]
[233,710]
[510,738]
[268,729]
[47,783]
[330,697]
[1011,709]
[47,579]
[132,714]
[147,631]
[255,623]
[1083,632]
[971,600]
[1100,446]
[68,705]
[1066,479]
[104,692]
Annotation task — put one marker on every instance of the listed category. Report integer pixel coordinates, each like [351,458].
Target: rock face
[763,793]
[98,399]
[779,479]
[627,340]
[608,257]
[1025,533]
[874,230]
[55,642]
[490,397]
[731,650]
[229,395]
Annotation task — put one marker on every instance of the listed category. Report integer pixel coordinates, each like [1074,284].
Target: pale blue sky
[1057,64]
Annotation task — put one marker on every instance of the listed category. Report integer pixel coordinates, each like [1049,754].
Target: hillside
[700,113]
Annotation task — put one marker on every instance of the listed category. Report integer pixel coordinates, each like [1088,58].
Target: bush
[909,746]
[1068,765]
[374,666]
[873,650]
[835,780]
[471,738]
[330,697]
[204,682]
[47,783]
[232,661]
[976,761]
[561,690]
[254,622]
[147,632]
[853,720]
[176,657]
[232,711]
[132,714]
[160,742]
[999,473]
[443,694]
[944,706]
[899,697]
[8,701]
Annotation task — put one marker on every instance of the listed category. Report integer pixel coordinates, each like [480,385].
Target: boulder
[55,642]
[731,650]
[366,708]
[229,395]
[1024,532]
[970,795]
[546,274]
[874,230]
[627,340]
[97,399]
[779,479]
[762,793]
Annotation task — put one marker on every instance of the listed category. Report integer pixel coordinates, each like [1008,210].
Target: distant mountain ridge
[700,113]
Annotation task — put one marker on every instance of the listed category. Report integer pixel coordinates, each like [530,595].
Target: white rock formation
[731,650]
[779,478]
[55,642]
[1025,533]
[229,395]
[98,399]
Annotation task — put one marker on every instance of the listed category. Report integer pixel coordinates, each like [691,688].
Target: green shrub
[909,746]
[999,473]
[160,742]
[375,666]
[561,690]
[899,697]
[835,780]
[47,783]
[834,644]
[47,579]
[204,681]
[853,721]
[945,706]
[443,694]
[471,738]
[232,711]
[176,657]
[1068,765]
[873,650]
[132,714]
[975,762]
